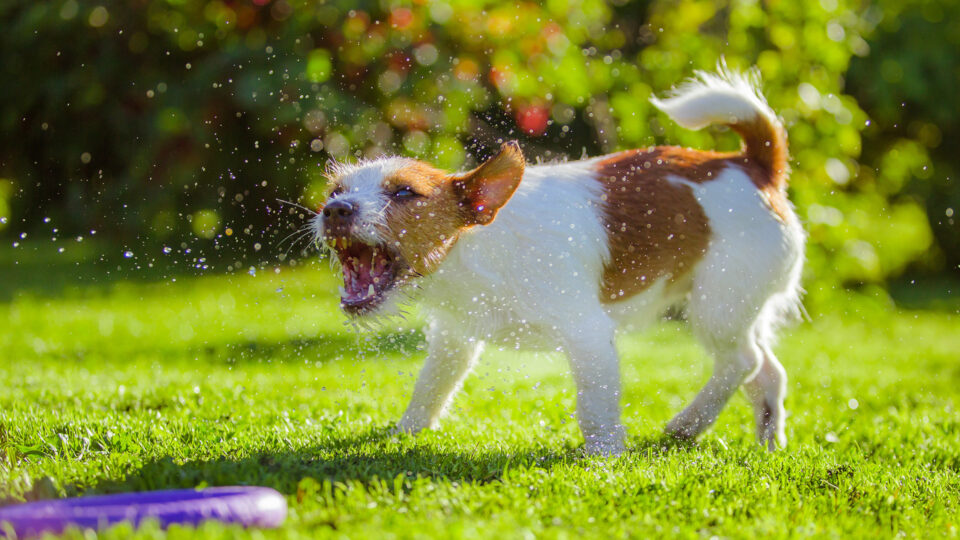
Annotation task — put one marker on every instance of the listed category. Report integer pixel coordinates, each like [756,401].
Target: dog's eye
[336,191]
[405,193]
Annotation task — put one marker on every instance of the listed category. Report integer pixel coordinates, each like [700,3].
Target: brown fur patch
[424,228]
[704,165]
[487,188]
[765,159]
[657,229]
[765,143]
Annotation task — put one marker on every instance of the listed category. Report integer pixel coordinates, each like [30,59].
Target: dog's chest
[510,310]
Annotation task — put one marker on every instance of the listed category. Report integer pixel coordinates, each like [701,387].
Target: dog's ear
[484,190]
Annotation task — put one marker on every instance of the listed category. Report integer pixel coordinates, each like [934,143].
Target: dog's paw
[400,429]
[605,446]
[772,440]
[680,434]
[684,427]
[410,426]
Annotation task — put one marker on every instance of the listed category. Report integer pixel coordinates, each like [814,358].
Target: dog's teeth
[370,290]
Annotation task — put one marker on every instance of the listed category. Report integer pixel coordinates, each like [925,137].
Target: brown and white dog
[565,254]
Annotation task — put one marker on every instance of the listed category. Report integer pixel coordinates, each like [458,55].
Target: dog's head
[393,220]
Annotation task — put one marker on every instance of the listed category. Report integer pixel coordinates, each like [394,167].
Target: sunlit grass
[161,381]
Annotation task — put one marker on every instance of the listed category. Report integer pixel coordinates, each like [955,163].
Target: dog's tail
[733,99]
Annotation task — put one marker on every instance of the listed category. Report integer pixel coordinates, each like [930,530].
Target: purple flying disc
[247,506]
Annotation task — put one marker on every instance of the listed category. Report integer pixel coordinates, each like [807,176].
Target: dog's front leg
[596,370]
[450,358]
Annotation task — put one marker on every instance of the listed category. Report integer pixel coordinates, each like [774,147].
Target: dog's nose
[338,209]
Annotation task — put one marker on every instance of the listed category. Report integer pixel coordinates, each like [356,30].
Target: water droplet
[167,250]
[127,254]
[252,271]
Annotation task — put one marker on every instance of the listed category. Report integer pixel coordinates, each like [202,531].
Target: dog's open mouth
[369,272]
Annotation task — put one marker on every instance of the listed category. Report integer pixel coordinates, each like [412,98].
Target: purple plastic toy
[248,506]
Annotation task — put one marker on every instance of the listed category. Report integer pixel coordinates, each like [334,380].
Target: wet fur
[560,256]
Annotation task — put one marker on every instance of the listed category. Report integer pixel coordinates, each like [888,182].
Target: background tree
[182,122]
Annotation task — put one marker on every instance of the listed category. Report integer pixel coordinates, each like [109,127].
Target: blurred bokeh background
[174,125]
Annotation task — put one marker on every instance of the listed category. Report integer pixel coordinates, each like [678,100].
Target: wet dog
[568,253]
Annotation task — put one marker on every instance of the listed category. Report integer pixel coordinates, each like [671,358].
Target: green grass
[138,380]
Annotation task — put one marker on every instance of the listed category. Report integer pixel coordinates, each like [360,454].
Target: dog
[564,255]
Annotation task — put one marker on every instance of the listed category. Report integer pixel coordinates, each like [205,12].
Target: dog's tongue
[364,272]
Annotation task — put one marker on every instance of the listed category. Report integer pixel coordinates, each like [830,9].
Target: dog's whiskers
[297,236]
[312,212]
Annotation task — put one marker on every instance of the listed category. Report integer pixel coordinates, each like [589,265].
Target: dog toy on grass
[247,506]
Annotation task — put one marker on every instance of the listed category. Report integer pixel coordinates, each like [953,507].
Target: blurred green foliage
[909,82]
[168,119]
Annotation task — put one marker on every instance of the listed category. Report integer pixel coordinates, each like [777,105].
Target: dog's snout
[338,209]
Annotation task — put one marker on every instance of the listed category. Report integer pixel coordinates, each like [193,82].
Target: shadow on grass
[319,348]
[367,458]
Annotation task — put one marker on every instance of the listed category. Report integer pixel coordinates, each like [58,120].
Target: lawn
[118,376]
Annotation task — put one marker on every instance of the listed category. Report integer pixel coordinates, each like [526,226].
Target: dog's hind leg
[733,364]
[768,388]
[733,308]
[735,320]
[746,283]
[766,391]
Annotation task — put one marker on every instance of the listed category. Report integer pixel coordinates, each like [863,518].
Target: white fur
[746,284]
[362,189]
[532,278]
[546,246]
[724,97]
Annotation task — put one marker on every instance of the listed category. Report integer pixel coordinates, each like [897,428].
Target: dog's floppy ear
[484,190]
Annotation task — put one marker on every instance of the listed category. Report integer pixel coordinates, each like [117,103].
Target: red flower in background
[401,18]
[532,119]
